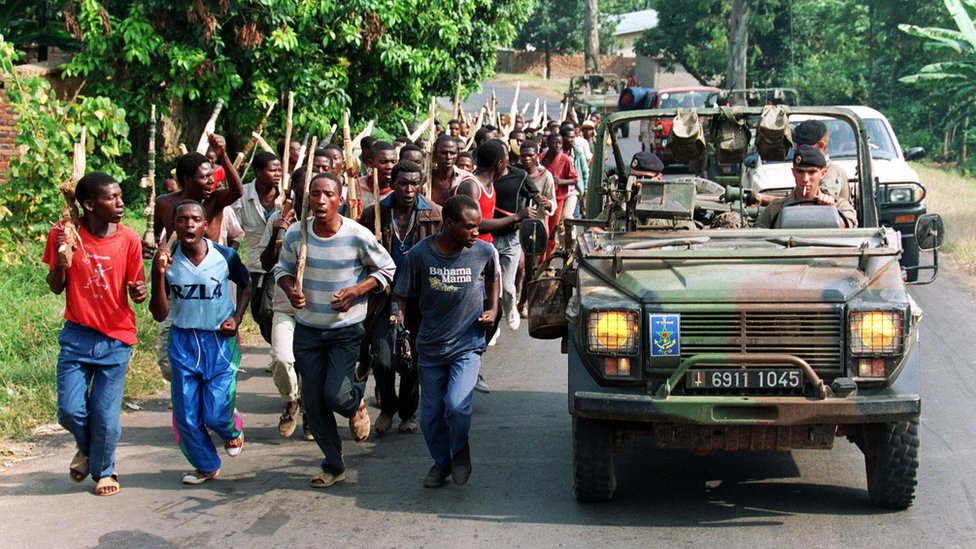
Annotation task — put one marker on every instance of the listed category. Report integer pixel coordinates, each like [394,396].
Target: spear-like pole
[457,98]
[150,187]
[252,141]
[302,150]
[376,203]
[209,128]
[428,154]
[303,219]
[285,174]
[351,171]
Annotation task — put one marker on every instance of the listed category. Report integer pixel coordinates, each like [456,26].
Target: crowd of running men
[409,281]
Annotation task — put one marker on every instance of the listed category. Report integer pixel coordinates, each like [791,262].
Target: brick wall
[8,133]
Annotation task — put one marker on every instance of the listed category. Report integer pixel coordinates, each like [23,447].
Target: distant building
[629,28]
[647,70]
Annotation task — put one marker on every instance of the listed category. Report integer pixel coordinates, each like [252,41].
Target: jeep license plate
[749,378]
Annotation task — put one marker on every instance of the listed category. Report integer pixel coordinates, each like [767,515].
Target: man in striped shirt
[344,263]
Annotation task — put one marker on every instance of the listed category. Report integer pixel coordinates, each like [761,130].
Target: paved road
[520,493]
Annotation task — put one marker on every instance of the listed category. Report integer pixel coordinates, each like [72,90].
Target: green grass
[30,319]
[953,196]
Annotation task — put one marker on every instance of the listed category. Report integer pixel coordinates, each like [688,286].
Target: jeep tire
[891,463]
[593,456]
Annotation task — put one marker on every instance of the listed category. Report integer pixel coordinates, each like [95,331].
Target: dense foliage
[48,128]
[378,58]
[954,75]
[834,52]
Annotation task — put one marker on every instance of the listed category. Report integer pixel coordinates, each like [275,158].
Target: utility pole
[591,38]
[735,75]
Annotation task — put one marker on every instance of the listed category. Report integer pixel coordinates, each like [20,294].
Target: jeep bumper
[731,410]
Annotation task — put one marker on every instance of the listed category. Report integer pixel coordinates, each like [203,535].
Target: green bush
[47,130]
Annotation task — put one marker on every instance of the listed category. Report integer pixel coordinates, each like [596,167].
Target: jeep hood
[730,270]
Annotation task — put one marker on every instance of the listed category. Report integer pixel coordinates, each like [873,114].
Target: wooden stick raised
[210,127]
[457,99]
[253,140]
[350,172]
[150,187]
[302,151]
[285,174]
[70,215]
[302,218]
[376,202]
[429,152]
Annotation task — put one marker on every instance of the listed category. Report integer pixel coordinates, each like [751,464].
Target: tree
[591,37]
[382,59]
[955,76]
[553,28]
[735,75]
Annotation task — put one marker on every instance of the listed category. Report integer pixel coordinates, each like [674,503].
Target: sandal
[108,486]
[196,477]
[359,423]
[78,469]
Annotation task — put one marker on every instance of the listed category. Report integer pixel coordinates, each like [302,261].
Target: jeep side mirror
[533,237]
[915,153]
[929,232]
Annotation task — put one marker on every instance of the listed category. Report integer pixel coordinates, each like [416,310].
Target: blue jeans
[446,394]
[89,357]
[326,362]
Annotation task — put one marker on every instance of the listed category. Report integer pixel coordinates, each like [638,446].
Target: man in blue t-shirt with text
[453,274]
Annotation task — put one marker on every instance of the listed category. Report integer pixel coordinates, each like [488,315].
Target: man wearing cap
[647,165]
[814,133]
[587,131]
[809,169]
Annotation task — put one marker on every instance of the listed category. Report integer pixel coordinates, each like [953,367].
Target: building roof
[635,21]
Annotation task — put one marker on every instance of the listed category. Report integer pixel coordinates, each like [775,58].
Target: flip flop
[108,486]
[78,469]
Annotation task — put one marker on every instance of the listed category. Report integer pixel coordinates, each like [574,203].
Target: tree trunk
[591,37]
[965,141]
[735,76]
[548,73]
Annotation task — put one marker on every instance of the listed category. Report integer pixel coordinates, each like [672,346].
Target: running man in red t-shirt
[560,165]
[101,275]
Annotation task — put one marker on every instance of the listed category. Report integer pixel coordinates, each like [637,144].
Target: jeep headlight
[907,193]
[875,333]
[900,195]
[612,332]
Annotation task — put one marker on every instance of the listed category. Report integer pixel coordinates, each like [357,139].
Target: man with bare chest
[194,172]
[446,175]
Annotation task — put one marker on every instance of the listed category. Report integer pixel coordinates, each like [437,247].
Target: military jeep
[715,340]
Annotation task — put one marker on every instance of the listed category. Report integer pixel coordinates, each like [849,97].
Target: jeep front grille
[816,336]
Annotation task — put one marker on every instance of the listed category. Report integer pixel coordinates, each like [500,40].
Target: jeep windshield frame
[606,137]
